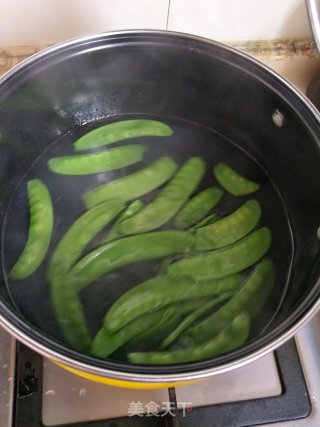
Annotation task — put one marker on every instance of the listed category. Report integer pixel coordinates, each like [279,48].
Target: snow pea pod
[132,209]
[223,262]
[144,326]
[119,131]
[40,230]
[229,229]
[66,304]
[134,185]
[131,249]
[174,335]
[197,207]
[161,291]
[250,298]
[230,338]
[86,164]
[169,200]
[232,181]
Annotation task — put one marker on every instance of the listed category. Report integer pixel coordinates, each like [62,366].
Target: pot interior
[221,105]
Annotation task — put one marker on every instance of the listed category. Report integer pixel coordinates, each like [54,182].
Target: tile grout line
[168,13]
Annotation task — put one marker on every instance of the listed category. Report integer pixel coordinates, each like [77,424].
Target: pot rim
[26,339]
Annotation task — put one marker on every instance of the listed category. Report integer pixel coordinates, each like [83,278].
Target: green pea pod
[232,337]
[169,200]
[134,185]
[223,262]
[125,251]
[232,181]
[229,229]
[85,164]
[191,318]
[106,343]
[197,207]
[119,131]
[132,209]
[250,297]
[69,313]
[161,291]
[64,296]
[40,230]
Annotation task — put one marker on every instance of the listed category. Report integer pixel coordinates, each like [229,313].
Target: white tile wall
[50,21]
[240,20]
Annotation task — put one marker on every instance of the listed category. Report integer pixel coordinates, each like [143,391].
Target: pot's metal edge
[156,379]
[186,376]
[313,9]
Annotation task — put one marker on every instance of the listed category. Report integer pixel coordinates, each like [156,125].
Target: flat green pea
[229,229]
[106,343]
[223,262]
[134,185]
[132,209]
[232,337]
[64,296]
[191,318]
[131,249]
[232,181]
[161,291]
[40,230]
[69,313]
[169,200]
[197,207]
[119,131]
[250,298]
[86,164]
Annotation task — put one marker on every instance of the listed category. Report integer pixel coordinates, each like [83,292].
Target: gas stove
[282,389]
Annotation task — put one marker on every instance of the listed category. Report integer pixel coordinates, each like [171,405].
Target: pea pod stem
[121,130]
[232,337]
[131,249]
[232,181]
[174,335]
[229,229]
[169,200]
[40,230]
[64,297]
[132,209]
[134,185]
[210,219]
[197,207]
[223,262]
[250,298]
[161,291]
[86,164]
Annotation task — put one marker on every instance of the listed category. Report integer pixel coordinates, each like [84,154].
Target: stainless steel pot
[190,78]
